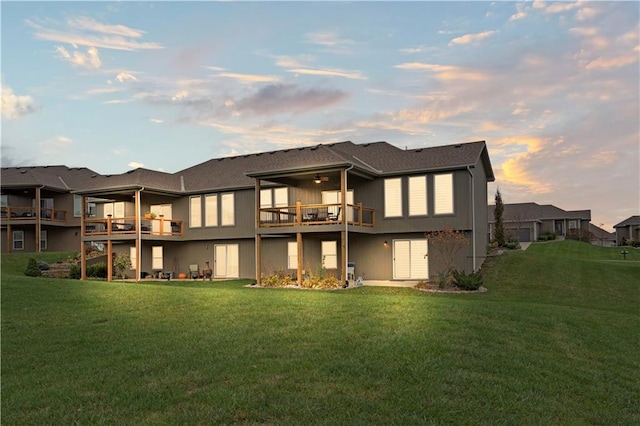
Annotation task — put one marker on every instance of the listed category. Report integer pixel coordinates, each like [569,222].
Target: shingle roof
[631,221]
[533,211]
[60,178]
[375,159]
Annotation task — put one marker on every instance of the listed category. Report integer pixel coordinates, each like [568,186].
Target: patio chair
[194,271]
[334,216]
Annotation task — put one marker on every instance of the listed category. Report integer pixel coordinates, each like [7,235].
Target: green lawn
[555,340]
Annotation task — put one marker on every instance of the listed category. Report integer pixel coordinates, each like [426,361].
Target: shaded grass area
[554,340]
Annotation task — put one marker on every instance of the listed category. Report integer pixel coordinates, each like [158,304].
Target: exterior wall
[62,238]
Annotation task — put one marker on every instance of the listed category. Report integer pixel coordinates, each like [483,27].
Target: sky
[552,87]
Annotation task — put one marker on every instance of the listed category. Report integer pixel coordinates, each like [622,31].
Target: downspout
[346,224]
[473,219]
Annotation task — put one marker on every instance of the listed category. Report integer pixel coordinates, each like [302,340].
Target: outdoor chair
[194,271]
[334,216]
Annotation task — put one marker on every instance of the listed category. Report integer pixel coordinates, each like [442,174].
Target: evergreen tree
[497,216]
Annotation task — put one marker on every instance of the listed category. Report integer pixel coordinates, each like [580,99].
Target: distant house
[601,237]
[527,221]
[628,230]
[350,209]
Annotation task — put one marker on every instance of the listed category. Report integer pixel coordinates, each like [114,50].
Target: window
[410,260]
[292,255]
[4,200]
[195,212]
[116,210]
[18,240]
[133,257]
[211,210]
[156,257]
[77,205]
[43,240]
[228,209]
[329,254]
[443,193]
[280,197]
[393,197]
[417,195]
[276,197]
[46,207]
[573,224]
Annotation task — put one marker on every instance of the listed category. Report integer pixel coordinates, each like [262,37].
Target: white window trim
[418,204]
[443,201]
[227,212]
[195,211]
[393,197]
[157,259]
[77,205]
[330,254]
[211,210]
[43,239]
[292,255]
[15,239]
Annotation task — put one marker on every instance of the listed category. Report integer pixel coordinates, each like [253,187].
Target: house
[601,237]
[527,221]
[55,224]
[628,230]
[361,209]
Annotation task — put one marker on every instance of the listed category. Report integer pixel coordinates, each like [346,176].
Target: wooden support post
[300,258]
[257,196]
[298,212]
[83,251]
[109,258]
[9,235]
[38,216]
[258,259]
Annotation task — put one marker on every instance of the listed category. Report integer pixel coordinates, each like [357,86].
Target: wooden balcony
[316,215]
[10,213]
[127,226]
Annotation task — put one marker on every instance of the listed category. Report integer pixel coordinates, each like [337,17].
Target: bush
[320,281]
[277,279]
[547,236]
[464,281]
[121,263]
[75,272]
[512,245]
[97,270]
[634,243]
[32,268]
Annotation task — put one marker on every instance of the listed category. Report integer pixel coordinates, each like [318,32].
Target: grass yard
[555,340]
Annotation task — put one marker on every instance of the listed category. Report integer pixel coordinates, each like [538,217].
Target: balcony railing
[29,213]
[127,225]
[316,214]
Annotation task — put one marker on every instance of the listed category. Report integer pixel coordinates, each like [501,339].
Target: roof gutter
[473,218]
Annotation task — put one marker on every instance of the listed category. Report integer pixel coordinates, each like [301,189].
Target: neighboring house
[38,211]
[297,210]
[527,221]
[600,237]
[628,229]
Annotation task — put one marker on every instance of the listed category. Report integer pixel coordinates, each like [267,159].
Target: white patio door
[226,261]
[410,260]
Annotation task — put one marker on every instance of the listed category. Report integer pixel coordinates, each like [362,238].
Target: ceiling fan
[320,179]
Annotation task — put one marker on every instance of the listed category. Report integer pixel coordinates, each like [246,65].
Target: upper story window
[393,197]
[211,210]
[227,202]
[114,209]
[443,193]
[195,211]
[417,196]
[4,200]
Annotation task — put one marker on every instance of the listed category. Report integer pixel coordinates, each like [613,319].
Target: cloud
[327,39]
[612,62]
[249,78]
[182,94]
[125,76]
[516,16]
[470,38]
[156,120]
[355,75]
[289,98]
[84,31]
[90,60]
[135,164]
[412,50]
[16,106]
[445,72]
[55,145]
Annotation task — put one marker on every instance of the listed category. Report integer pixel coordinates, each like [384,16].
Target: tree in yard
[121,262]
[444,246]
[497,216]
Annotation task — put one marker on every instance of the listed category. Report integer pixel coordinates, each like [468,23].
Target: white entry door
[226,261]
[410,260]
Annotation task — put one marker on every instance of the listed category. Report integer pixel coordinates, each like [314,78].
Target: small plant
[32,268]
[277,279]
[122,262]
[547,236]
[464,281]
[149,215]
[75,272]
[97,270]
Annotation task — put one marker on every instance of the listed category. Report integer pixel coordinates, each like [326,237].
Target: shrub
[547,236]
[320,281]
[277,279]
[634,243]
[32,268]
[75,272]
[121,262]
[97,270]
[464,281]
